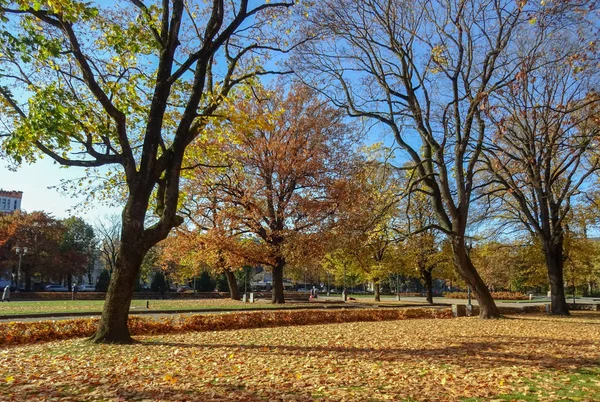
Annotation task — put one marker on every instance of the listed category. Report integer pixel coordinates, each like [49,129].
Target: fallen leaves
[527,357]
[39,331]
[495,295]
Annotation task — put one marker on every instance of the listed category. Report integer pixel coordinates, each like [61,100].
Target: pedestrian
[6,294]
[75,290]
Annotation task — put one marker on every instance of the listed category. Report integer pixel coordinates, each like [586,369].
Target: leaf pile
[521,358]
[495,295]
[32,332]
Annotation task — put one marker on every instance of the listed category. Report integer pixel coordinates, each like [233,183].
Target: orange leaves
[32,332]
[539,357]
[495,295]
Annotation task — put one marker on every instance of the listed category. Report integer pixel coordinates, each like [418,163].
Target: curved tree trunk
[428,280]
[377,292]
[553,253]
[278,282]
[234,292]
[465,268]
[113,324]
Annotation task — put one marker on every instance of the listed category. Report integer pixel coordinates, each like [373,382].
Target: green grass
[579,385]
[78,306]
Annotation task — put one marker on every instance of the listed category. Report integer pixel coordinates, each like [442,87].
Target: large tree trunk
[278,281]
[465,268]
[428,280]
[113,324]
[377,291]
[234,292]
[553,252]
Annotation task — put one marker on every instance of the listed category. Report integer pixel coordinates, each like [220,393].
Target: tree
[423,71]
[108,231]
[205,283]
[365,222]
[77,247]
[103,281]
[543,150]
[422,250]
[158,284]
[286,156]
[129,88]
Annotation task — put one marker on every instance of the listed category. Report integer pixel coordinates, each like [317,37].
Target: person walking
[6,293]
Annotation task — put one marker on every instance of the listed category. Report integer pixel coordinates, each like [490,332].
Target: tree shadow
[483,354]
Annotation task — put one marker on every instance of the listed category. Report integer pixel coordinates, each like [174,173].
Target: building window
[15,207]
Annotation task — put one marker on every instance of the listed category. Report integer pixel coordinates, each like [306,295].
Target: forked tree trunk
[377,292]
[553,253]
[465,268]
[234,292]
[428,281]
[278,282]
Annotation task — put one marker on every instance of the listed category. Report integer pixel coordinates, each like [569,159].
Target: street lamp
[20,252]
[469,247]
[344,293]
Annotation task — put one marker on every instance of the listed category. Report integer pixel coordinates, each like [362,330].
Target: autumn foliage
[32,332]
[495,295]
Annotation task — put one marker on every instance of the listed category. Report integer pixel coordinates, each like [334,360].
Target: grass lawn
[63,306]
[527,357]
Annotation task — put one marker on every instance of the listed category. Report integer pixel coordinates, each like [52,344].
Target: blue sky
[35,181]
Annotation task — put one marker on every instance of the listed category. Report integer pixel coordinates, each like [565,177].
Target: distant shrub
[158,283]
[495,295]
[205,283]
[103,281]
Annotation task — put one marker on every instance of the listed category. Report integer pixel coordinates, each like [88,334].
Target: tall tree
[42,235]
[422,250]
[422,70]
[287,154]
[544,148]
[77,247]
[128,86]
[108,231]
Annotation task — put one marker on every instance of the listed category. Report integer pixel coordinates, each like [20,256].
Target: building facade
[10,201]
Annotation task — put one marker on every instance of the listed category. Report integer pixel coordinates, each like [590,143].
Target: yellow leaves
[9,379]
[171,379]
[439,57]
[540,357]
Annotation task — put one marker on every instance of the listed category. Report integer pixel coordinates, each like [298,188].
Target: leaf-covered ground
[518,358]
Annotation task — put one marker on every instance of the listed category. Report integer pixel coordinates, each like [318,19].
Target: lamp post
[20,252]
[344,294]
[469,304]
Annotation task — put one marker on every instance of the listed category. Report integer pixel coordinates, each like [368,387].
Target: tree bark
[553,253]
[113,324]
[377,292]
[234,292]
[465,268]
[278,281]
[428,280]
